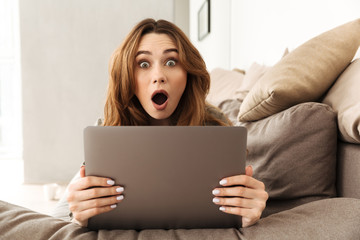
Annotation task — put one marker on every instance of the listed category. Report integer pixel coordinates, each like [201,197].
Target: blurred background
[54,57]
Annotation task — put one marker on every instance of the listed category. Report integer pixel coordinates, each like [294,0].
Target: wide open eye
[144,64]
[171,63]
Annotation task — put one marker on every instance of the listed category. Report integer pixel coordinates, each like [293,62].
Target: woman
[157,77]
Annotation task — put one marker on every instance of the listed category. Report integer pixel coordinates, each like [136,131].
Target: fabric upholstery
[223,85]
[337,218]
[348,170]
[304,75]
[255,72]
[344,98]
[294,152]
[230,107]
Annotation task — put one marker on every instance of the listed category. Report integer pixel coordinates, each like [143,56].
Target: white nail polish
[121,197]
[120,189]
[215,191]
[222,208]
[223,182]
[216,200]
[113,206]
[110,182]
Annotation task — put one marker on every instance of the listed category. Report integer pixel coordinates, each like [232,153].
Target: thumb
[249,171]
[82,171]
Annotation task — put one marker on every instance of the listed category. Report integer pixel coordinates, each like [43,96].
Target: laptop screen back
[168,174]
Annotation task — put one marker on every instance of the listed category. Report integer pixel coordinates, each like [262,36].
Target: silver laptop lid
[168,174]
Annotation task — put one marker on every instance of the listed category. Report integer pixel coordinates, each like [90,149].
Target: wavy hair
[122,106]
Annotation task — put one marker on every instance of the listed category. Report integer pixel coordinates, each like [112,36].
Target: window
[10,85]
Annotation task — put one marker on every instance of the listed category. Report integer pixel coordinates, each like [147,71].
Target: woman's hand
[242,195]
[90,196]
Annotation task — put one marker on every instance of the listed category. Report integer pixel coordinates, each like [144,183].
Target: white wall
[10,84]
[181,15]
[65,49]
[261,30]
[215,47]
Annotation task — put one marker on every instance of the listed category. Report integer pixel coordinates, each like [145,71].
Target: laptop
[168,174]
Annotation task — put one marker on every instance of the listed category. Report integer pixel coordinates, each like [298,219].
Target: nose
[158,75]
[159,81]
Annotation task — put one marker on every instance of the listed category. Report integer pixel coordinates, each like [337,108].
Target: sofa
[303,120]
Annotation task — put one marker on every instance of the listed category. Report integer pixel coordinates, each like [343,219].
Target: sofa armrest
[348,170]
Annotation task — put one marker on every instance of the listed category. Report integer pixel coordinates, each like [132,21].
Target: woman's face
[160,79]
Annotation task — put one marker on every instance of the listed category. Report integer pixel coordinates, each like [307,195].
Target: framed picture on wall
[204,20]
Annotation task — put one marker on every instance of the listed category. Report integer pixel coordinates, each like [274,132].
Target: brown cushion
[344,98]
[305,74]
[294,152]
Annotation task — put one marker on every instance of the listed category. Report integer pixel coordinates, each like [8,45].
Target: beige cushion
[223,85]
[344,98]
[305,74]
[255,72]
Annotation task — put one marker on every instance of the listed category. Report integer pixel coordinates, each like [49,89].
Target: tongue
[159,98]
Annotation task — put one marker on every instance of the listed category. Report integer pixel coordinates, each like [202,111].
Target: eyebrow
[149,53]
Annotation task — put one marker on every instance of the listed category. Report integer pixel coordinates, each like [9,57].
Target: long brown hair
[122,106]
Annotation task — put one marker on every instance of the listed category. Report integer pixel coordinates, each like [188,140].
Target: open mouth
[159,98]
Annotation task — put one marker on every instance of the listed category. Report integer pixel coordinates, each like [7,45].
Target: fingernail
[120,189]
[110,182]
[222,208]
[223,182]
[215,191]
[113,206]
[121,197]
[216,200]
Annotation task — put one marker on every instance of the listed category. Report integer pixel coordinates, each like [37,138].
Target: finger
[236,191]
[256,205]
[249,171]
[97,192]
[95,203]
[246,222]
[243,180]
[84,215]
[91,181]
[252,214]
[82,171]
[235,202]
